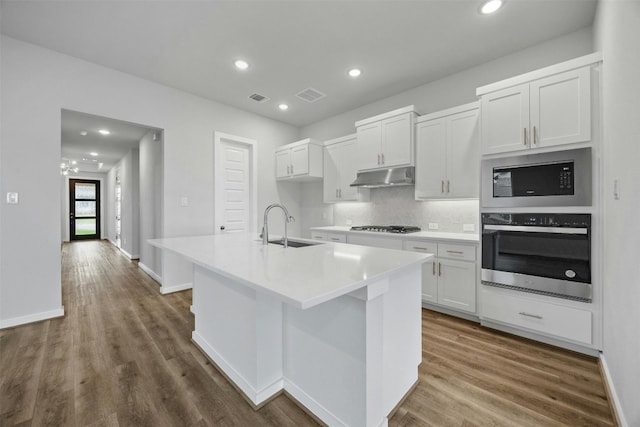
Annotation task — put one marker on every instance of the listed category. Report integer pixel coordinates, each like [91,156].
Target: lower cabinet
[329,236]
[450,279]
[528,312]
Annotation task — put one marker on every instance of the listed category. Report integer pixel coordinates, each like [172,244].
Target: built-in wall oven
[541,253]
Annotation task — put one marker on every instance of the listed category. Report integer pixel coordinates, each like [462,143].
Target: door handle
[71,215]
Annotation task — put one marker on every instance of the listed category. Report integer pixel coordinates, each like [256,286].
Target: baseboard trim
[311,405]
[176,288]
[150,273]
[612,396]
[451,312]
[31,318]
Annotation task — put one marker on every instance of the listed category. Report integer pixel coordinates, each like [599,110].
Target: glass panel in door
[84,209]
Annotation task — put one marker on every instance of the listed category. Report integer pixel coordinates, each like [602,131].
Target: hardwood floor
[122,356]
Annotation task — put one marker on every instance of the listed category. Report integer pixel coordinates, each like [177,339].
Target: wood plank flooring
[122,356]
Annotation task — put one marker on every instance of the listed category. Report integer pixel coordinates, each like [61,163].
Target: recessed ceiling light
[83,132]
[241,65]
[355,72]
[491,6]
[93,153]
[283,107]
[104,132]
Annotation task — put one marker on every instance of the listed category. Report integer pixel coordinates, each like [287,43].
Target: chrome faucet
[265,227]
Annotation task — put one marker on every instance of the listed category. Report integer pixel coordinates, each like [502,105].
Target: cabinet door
[430,159]
[300,160]
[505,120]
[457,284]
[397,141]
[331,179]
[463,155]
[283,163]
[369,142]
[561,109]
[347,170]
[430,281]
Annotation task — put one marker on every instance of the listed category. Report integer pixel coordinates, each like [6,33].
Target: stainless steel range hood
[385,177]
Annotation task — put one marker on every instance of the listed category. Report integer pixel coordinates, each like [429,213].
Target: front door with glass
[84,209]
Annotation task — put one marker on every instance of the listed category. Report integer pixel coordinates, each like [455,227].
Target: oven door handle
[535,229]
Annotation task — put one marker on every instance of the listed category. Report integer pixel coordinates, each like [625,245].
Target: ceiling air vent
[310,95]
[259,98]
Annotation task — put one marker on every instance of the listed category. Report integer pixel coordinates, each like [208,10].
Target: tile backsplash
[397,206]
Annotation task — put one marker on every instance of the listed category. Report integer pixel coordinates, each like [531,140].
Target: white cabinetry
[328,236]
[450,279]
[527,312]
[301,160]
[340,170]
[386,140]
[375,241]
[543,112]
[448,154]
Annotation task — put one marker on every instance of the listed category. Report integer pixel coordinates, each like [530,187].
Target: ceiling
[291,45]
[109,148]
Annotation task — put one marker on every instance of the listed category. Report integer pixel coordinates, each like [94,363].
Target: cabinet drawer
[319,235]
[461,252]
[427,247]
[564,322]
[337,237]
[377,242]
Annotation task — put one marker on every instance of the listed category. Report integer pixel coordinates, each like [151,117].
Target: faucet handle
[291,219]
[262,232]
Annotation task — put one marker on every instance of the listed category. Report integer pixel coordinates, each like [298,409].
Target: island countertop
[302,277]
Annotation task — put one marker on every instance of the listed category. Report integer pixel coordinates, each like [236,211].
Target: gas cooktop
[402,229]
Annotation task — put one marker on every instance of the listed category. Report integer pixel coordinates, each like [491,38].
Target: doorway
[84,209]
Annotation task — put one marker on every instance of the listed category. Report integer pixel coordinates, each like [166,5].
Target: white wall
[36,84]
[394,205]
[617,35]
[150,199]
[127,170]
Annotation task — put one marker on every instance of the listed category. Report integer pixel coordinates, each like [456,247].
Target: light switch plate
[12,198]
[433,226]
[468,227]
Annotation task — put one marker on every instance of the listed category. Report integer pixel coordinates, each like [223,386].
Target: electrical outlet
[433,226]
[12,198]
[468,227]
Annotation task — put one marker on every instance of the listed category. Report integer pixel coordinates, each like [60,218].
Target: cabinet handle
[292,169]
[455,252]
[382,157]
[535,316]
[447,186]
[335,239]
[336,193]
[439,269]
[442,186]
[378,158]
[340,193]
[535,135]
[434,268]
[525,136]
[419,248]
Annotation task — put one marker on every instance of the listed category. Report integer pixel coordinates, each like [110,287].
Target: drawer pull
[420,248]
[335,239]
[455,252]
[535,316]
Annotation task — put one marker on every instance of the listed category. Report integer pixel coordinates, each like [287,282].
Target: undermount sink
[293,243]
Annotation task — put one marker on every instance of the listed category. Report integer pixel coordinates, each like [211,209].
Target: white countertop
[302,277]
[431,235]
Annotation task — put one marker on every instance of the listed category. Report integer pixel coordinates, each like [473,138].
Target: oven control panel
[538,219]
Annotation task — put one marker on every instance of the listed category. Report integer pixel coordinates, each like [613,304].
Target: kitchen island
[336,326]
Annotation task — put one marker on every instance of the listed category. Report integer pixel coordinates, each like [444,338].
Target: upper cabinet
[299,161]
[544,108]
[340,169]
[448,154]
[386,140]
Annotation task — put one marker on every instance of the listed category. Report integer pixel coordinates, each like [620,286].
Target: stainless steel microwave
[561,178]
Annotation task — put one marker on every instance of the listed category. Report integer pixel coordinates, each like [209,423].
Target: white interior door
[235,184]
